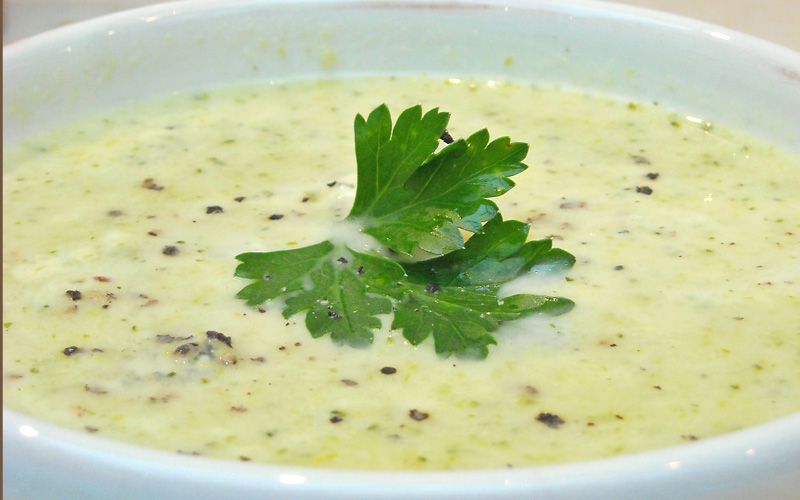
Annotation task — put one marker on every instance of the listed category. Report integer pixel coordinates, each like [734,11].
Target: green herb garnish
[413,199]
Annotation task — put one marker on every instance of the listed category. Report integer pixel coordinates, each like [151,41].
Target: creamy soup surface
[121,231]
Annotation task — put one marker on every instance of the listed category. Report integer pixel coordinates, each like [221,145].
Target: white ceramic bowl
[605,48]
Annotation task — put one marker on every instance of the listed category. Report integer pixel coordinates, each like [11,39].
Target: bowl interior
[585,45]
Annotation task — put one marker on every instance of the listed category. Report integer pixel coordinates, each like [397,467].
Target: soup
[121,233]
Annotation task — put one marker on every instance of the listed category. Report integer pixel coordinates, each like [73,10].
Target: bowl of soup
[144,151]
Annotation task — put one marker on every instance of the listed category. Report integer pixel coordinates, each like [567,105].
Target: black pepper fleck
[214,209]
[336,419]
[652,176]
[331,184]
[550,420]
[644,190]
[211,334]
[418,415]
[239,199]
[149,183]
[69,351]
[388,370]
[446,137]
[342,260]
[276,217]
[170,250]
[185,348]
[618,268]
[74,294]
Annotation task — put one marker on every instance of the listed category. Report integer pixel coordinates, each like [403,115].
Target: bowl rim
[779,439]
[741,449]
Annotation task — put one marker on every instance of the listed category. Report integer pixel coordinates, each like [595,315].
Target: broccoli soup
[121,316]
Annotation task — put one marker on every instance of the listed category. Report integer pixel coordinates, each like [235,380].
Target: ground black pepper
[185,348]
[74,294]
[215,209]
[149,183]
[388,370]
[170,250]
[211,334]
[550,420]
[418,415]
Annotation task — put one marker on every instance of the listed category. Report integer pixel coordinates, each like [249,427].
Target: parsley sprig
[409,197]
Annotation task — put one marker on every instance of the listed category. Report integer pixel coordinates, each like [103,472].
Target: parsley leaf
[454,297]
[408,197]
[411,197]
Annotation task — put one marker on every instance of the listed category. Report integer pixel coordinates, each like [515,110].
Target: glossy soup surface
[687,282]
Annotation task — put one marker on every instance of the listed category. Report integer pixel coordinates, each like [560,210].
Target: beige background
[774,20]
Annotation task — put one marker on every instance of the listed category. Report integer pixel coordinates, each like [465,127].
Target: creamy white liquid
[687,323]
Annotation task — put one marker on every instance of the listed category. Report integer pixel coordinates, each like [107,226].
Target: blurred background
[774,20]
